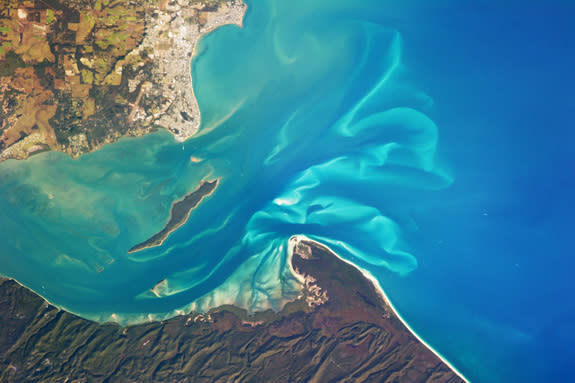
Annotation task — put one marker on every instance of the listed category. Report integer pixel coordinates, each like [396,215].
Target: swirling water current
[316,119]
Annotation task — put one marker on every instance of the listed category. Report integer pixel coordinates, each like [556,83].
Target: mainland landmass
[178,214]
[341,329]
[77,74]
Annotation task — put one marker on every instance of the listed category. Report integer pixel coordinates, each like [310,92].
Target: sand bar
[179,214]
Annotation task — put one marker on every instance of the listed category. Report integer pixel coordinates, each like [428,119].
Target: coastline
[302,238]
[293,242]
[231,17]
[146,78]
[160,237]
[48,302]
[351,328]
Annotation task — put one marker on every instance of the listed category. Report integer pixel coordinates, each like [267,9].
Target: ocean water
[427,142]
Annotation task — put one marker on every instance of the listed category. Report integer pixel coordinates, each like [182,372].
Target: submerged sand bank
[349,335]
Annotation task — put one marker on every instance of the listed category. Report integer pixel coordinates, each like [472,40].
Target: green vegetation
[87,76]
[353,330]
[50,16]
[10,63]
[71,67]
[89,45]
[178,215]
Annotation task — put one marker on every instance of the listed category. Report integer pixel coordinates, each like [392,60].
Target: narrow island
[341,329]
[179,214]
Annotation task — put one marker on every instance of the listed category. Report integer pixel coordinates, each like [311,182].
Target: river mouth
[413,140]
[307,146]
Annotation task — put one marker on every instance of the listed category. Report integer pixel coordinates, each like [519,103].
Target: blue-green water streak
[314,124]
[310,134]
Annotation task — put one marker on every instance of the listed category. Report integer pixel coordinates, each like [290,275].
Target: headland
[341,328]
[76,75]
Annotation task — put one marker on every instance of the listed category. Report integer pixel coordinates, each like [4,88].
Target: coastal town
[76,75]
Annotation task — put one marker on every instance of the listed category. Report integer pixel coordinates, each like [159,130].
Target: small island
[341,329]
[178,215]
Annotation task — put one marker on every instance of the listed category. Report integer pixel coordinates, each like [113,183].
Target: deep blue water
[499,241]
[428,143]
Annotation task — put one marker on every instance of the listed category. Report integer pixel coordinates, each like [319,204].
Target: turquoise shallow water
[316,119]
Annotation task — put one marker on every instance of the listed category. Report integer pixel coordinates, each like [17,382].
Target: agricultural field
[75,75]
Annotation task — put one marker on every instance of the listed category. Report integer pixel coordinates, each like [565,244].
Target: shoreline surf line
[302,238]
[58,307]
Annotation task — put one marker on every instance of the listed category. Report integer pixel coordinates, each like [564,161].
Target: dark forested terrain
[340,330]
